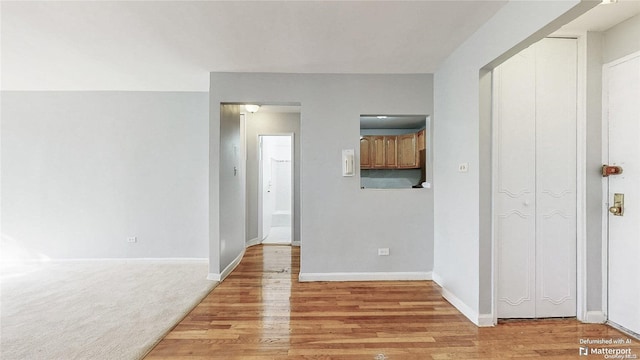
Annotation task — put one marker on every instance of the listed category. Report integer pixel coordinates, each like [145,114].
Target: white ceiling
[173,45]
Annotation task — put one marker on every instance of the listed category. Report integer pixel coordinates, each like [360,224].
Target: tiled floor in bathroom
[278,235]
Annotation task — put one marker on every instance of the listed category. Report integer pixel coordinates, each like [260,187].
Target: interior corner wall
[341,225]
[83,171]
[458,139]
[593,178]
[621,40]
[270,123]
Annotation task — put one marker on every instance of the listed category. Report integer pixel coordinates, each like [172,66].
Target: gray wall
[270,123]
[593,177]
[621,40]
[232,188]
[341,226]
[82,171]
[460,240]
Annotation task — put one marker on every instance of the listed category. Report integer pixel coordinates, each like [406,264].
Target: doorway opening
[276,183]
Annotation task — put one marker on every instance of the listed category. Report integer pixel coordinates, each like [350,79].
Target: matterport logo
[606,352]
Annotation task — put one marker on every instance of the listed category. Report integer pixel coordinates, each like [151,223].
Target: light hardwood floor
[261,311]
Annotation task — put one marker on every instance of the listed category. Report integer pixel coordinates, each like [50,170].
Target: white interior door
[535,181]
[622,110]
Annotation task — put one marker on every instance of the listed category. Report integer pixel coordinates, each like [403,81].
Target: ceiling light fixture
[381,117]
[607,2]
[252,108]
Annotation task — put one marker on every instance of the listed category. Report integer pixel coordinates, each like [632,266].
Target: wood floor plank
[262,312]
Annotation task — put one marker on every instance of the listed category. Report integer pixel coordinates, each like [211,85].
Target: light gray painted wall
[232,216]
[485,171]
[270,123]
[82,171]
[460,263]
[621,40]
[593,177]
[341,226]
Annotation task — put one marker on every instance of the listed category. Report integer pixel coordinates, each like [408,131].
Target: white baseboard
[252,242]
[485,320]
[595,317]
[436,279]
[471,314]
[368,276]
[227,270]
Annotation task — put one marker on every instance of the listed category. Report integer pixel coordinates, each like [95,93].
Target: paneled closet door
[534,124]
[514,184]
[556,79]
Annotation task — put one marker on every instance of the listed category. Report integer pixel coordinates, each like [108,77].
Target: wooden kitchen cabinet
[391,151]
[378,152]
[407,151]
[421,143]
[365,152]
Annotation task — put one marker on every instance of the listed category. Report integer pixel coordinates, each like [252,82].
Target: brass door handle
[618,205]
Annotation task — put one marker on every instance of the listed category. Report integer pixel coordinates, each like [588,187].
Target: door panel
[514,134]
[622,100]
[556,177]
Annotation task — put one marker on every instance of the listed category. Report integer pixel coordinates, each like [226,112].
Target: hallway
[261,311]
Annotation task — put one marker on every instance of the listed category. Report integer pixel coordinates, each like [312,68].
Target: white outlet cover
[463,167]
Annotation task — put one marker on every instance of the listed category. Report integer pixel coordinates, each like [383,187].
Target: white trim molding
[595,317]
[364,276]
[486,320]
[480,320]
[472,315]
[437,279]
[253,242]
[227,270]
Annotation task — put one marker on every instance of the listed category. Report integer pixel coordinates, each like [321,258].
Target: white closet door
[556,68]
[535,181]
[514,195]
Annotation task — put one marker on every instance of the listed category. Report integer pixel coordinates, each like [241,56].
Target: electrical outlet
[383,251]
[132,239]
[464,167]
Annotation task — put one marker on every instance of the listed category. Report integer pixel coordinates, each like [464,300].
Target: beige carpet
[95,310]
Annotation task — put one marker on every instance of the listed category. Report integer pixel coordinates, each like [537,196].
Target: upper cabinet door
[365,152]
[391,151]
[422,144]
[378,152]
[407,153]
